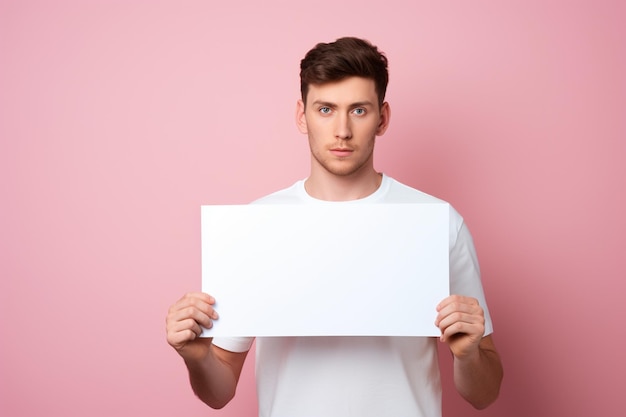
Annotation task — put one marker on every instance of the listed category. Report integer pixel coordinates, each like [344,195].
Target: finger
[473,330]
[453,309]
[181,335]
[445,318]
[208,298]
[459,316]
[182,332]
[197,299]
[456,299]
[189,324]
[460,322]
[201,303]
[192,313]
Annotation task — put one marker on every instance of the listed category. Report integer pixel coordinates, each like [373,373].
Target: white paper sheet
[325,270]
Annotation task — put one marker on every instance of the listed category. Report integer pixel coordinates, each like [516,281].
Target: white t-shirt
[359,376]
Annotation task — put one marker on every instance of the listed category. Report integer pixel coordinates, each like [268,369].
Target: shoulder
[398,192]
[401,193]
[289,195]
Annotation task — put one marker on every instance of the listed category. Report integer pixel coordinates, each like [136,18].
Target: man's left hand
[462,323]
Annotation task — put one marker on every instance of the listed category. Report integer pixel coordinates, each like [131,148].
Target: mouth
[341,152]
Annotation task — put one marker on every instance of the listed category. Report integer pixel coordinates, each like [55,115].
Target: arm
[214,379]
[477,367]
[213,372]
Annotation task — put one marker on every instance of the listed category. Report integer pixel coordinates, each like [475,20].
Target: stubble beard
[341,167]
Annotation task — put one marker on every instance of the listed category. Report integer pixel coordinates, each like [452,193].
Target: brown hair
[346,57]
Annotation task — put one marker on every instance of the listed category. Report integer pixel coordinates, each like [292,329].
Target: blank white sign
[325,269]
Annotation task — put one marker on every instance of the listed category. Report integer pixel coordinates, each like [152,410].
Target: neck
[330,187]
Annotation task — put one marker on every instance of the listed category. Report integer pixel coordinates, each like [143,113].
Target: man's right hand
[184,323]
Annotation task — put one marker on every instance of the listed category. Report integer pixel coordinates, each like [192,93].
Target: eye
[325,110]
[359,111]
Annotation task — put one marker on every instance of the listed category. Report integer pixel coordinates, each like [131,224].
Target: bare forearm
[213,371]
[478,377]
[213,381]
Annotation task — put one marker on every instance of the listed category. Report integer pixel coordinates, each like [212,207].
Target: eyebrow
[334,105]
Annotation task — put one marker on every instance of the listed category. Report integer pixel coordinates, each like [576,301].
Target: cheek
[368,132]
[317,132]
[313,140]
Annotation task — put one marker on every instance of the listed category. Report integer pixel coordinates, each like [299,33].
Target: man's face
[342,120]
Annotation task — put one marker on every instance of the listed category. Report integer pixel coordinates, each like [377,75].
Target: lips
[341,152]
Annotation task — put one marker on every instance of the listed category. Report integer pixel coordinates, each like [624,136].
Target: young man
[342,111]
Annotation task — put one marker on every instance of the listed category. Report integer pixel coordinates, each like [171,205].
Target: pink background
[118,119]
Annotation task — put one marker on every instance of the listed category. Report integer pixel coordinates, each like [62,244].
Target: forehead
[346,91]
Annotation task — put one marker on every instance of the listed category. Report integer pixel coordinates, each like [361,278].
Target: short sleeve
[465,271]
[234,344]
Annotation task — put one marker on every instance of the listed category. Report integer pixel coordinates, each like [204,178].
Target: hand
[184,323]
[462,323]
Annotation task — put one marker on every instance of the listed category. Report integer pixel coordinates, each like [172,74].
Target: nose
[343,129]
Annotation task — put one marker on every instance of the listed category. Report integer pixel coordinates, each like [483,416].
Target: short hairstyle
[346,57]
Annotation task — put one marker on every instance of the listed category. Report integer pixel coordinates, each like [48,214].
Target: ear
[300,117]
[385,117]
